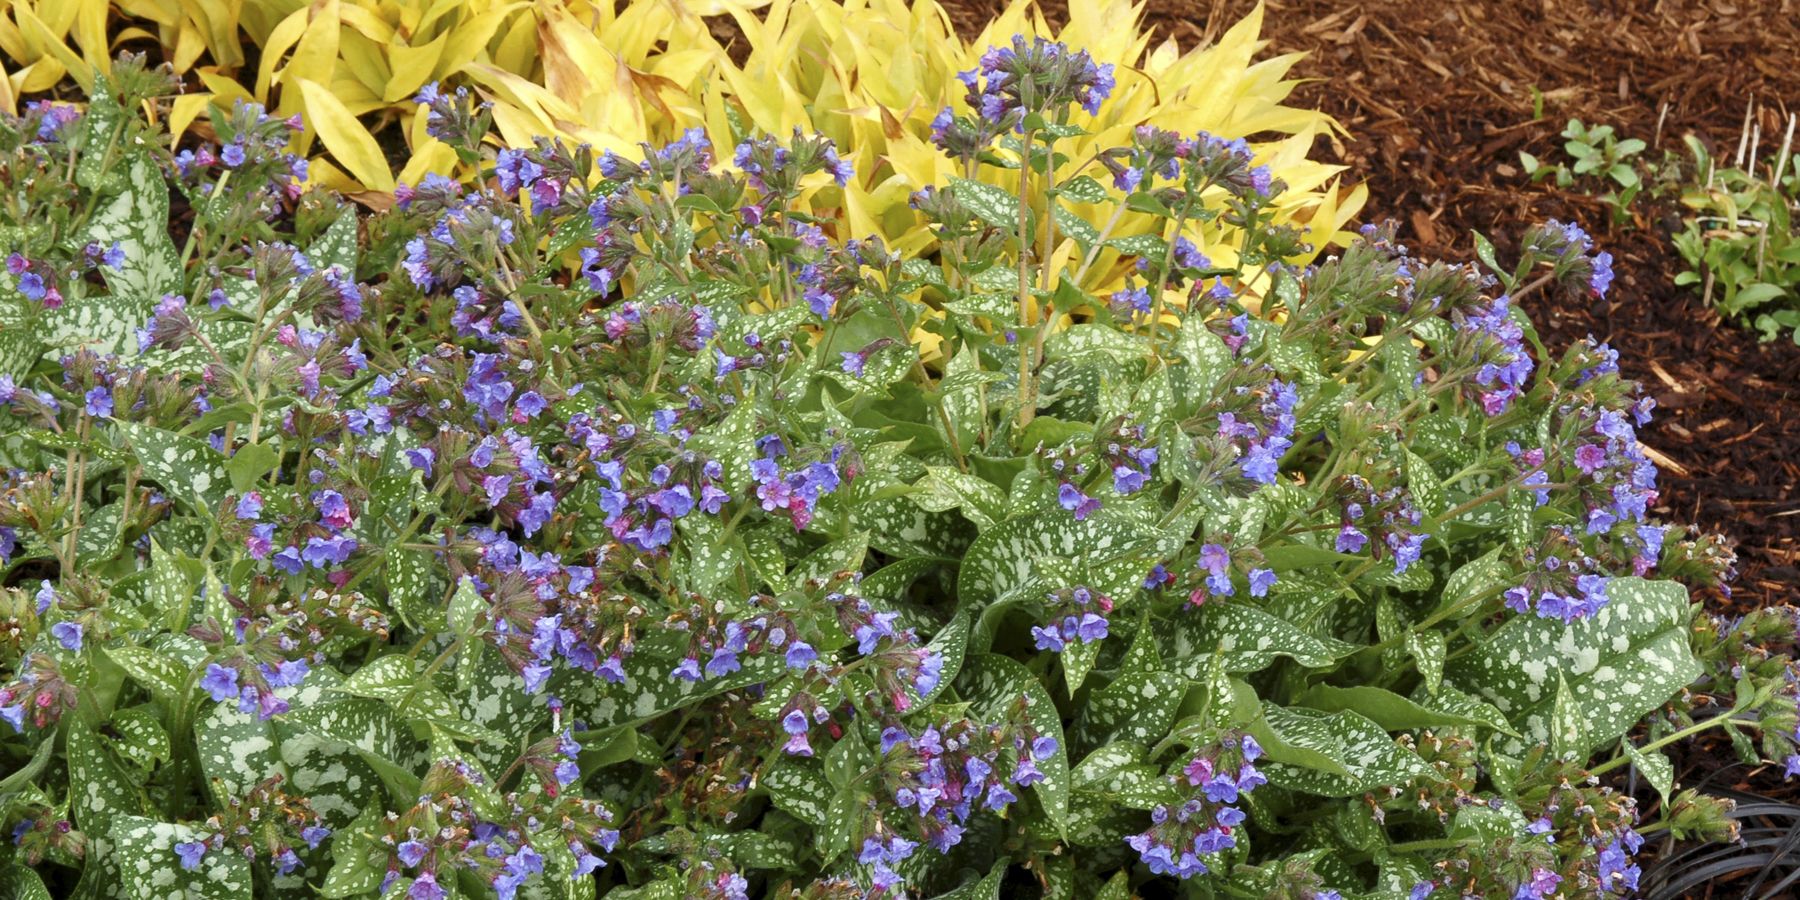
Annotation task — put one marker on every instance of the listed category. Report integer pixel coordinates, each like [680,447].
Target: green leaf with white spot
[1622,663]
[414,590]
[153,870]
[466,604]
[1137,706]
[1394,712]
[798,785]
[1368,756]
[187,468]
[237,749]
[100,787]
[141,740]
[1249,638]
[160,673]
[1655,767]
[1002,559]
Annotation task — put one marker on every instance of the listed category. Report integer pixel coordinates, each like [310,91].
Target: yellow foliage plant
[870,74]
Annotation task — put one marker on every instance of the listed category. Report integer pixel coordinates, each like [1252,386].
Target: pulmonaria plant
[615,527]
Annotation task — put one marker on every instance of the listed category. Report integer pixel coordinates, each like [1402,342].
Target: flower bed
[616,527]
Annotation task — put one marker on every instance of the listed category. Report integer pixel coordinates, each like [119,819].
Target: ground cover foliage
[618,526]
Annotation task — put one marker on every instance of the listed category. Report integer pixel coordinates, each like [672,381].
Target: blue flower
[801,655]
[221,682]
[191,852]
[68,634]
[99,402]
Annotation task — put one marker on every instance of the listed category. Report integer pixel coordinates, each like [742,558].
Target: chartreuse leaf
[153,871]
[1363,754]
[1625,661]
[1249,638]
[349,142]
[996,687]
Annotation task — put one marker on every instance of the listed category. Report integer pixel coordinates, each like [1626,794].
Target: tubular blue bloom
[191,852]
[1260,581]
[99,402]
[68,634]
[801,655]
[411,853]
[425,888]
[220,682]
[1071,498]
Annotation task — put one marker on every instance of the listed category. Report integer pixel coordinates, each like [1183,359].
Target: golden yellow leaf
[183,112]
[349,142]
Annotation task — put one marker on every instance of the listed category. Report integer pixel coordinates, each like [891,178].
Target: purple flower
[191,853]
[1075,501]
[1260,581]
[313,835]
[46,595]
[68,634]
[99,402]
[723,662]
[411,853]
[14,715]
[800,655]
[1215,559]
[1047,639]
[250,506]
[1092,627]
[687,670]
[425,888]
[1601,279]
[221,682]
